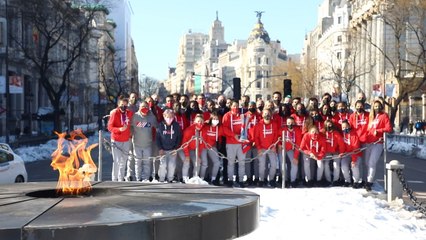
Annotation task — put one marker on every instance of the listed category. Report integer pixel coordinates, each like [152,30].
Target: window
[258,60]
[339,39]
[267,61]
[3,157]
[258,84]
[339,20]
[268,85]
[339,55]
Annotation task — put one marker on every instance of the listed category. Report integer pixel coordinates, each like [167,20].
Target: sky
[316,213]
[157,26]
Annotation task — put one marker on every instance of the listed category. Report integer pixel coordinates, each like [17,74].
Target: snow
[317,213]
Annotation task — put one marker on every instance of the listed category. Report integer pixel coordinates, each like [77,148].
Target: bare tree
[405,51]
[149,86]
[113,77]
[49,27]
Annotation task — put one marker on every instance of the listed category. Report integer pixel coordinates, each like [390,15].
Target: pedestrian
[314,146]
[168,138]
[293,139]
[212,136]
[353,157]
[190,149]
[130,170]
[252,167]
[334,148]
[378,125]
[143,126]
[119,126]
[266,134]
[235,129]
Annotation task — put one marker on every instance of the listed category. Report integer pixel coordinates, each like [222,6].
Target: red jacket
[182,120]
[299,121]
[293,136]
[380,124]
[338,119]
[232,125]
[316,146]
[352,143]
[212,134]
[266,134]
[334,142]
[116,121]
[158,113]
[359,122]
[188,133]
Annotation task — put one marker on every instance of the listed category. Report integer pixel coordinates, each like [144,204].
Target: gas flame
[73,179]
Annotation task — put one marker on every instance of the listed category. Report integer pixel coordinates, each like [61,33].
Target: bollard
[394,185]
[283,161]
[100,157]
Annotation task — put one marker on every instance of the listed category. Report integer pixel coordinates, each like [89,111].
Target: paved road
[414,172]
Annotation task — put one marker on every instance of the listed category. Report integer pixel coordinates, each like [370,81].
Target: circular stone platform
[127,210]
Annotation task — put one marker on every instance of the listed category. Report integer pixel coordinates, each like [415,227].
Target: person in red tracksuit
[252,167]
[359,123]
[266,133]
[334,147]
[119,126]
[233,124]
[317,119]
[314,146]
[378,125]
[293,139]
[342,113]
[351,140]
[300,117]
[212,133]
[189,150]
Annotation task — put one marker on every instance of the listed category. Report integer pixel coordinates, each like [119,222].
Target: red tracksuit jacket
[188,133]
[334,142]
[116,121]
[380,124]
[316,146]
[359,122]
[232,126]
[293,136]
[352,143]
[212,134]
[266,134]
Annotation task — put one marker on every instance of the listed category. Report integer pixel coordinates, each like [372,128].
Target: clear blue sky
[157,25]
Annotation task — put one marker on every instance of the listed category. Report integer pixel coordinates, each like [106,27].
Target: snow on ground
[333,213]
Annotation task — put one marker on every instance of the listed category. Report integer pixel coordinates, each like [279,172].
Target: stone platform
[127,210]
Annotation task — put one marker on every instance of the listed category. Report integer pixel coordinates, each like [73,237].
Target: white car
[12,167]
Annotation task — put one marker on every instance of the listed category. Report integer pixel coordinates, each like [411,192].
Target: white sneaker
[145,181]
[185,179]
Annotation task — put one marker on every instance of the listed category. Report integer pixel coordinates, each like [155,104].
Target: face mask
[328,128]
[267,117]
[290,126]
[341,110]
[324,112]
[299,112]
[169,105]
[360,110]
[234,111]
[198,125]
[332,109]
[215,122]
[168,120]
[222,103]
[276,102]
[144,110]
[201,102]
[316,117]
[347,130]
[252,110]
[260,108]
[123,108]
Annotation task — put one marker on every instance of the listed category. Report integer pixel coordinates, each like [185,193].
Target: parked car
[12,167]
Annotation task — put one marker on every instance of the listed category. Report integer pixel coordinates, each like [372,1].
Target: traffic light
[287,87]
[237,88]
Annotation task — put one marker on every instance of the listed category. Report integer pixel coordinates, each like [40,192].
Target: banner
[377,90]
[15,85]
[390,90]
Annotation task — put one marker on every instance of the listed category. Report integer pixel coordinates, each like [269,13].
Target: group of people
[238,142]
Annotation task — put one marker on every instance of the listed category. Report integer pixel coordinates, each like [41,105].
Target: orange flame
[73,179]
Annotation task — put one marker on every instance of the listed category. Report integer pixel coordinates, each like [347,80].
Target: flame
[73,179]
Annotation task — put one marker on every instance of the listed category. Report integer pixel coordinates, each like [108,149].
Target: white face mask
[168,120]
[215,122]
